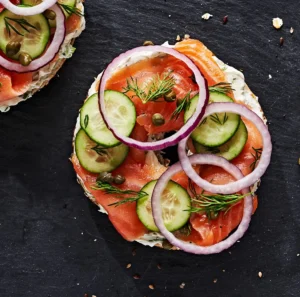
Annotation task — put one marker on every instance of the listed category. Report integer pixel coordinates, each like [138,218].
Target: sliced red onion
[186,129]
[26,11]
[189,247]
[246,181]
[51,51]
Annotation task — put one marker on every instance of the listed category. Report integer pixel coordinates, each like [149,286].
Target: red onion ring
[246,181]
[50,53]
[26,11]
[186,129]
[188,247]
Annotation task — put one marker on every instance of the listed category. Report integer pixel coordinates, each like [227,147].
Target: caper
[158,119]
[12,48]
[148,42]
[119,179]
[170,97]
[49,14]
[105,177]
[25,59]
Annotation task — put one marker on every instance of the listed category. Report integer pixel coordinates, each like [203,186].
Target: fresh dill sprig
[21,22]
[215,117]
[127,196]
[213,204]
[256,156]
[71,9]
[184,105]
[155,89]
[222,87]
[101,151]
[203,122]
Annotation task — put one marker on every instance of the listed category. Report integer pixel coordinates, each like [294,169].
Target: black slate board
[53,240]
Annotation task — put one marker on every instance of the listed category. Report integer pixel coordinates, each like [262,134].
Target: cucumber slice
[33,41]
[52,23]
[95,160]
[216,129]
[175,201]
[119,108]
[231,148]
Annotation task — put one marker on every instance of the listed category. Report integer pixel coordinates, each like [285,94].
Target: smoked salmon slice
[13,84]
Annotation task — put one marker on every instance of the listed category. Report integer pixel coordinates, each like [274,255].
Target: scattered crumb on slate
[215,280]
[128,265]
[182,285]
[136,276]
[277,23]
[158,266]
[260,274]
[298,254]
[223,270]
[151,287]
[207,16]
[225,19]
[292,30]
[270,76]
[281,41]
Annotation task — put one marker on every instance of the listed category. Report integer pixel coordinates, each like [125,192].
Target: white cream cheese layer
[241,92]
[45,73]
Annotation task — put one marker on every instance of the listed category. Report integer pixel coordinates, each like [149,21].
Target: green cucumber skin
[232,148]
[86,161]
[91,133]
[150,226]
[211,140]
[41,47]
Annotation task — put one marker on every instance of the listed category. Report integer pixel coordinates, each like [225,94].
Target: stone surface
[53,240]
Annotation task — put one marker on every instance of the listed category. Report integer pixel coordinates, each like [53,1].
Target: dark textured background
[53,240]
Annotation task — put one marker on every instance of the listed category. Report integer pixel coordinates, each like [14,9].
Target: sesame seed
[128,265]
[215,280]
[178,38]
[292,30]
[151,287]
[260,274]
[182,285]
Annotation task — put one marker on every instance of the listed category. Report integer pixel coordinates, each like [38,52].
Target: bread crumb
[260,274]
[182,285]
[292,30]
[207,16]
[178,38]
[151,287]
[128,265]
[277,23]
